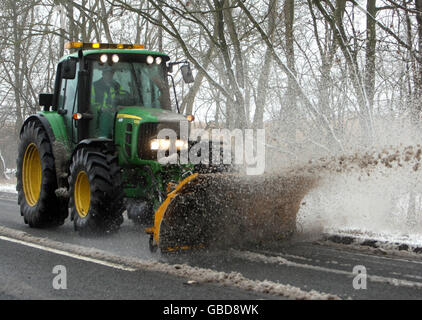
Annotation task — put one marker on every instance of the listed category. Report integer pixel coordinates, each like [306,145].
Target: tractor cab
[96,82]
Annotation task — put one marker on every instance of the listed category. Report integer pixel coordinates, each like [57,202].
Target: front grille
[128,138]
[149,131]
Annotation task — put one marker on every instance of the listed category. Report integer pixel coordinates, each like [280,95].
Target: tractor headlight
[103,58]
[181,144]
[155,144]
[164,144]
[115,58]
[160,144]
[150,59]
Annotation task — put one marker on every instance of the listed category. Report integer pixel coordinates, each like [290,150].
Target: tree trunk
[291,95]
[371,42]
[418,85]
[240,120]
[265,71]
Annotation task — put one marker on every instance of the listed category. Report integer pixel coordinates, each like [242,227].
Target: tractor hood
[149,114]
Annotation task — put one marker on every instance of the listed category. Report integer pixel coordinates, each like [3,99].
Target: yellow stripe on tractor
[128,116]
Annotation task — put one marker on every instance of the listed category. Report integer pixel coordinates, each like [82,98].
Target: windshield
[129,84]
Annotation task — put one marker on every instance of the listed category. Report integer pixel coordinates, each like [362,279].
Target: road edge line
[199,275]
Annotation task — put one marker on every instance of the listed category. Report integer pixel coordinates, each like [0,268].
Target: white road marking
[402,256]
[200,275]
[68,254]
[257,257]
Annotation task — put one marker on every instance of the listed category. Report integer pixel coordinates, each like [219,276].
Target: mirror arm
[174,91]
[171,64]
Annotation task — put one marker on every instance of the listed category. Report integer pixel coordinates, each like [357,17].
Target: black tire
[42,208]
[103,211]
[140,212]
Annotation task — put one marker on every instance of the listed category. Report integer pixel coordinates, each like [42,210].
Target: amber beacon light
[97,45]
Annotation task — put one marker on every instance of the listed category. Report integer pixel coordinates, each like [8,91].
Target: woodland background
[321,76]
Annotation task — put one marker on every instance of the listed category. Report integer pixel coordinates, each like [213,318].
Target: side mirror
[187,73]
[69,69]
[45,100]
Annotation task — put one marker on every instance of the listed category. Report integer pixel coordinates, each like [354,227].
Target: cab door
[68,103]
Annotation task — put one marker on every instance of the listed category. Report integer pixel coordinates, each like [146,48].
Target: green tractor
[93,148]
[96,149]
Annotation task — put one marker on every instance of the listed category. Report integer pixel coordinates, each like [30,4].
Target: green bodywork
[57,124]
[146,179]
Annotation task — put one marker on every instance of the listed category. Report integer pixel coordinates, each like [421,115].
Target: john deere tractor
[96,149]
[93,148]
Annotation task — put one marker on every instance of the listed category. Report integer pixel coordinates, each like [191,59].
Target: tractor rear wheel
[96,193]
[36,179]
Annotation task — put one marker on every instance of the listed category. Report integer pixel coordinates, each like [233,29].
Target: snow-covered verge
[8,183]
[9,188]
[404,241]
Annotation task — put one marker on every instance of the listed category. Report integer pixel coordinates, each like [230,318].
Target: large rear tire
[96,193]
[36,180]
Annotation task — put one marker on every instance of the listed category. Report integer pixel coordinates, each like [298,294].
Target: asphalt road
[120,266]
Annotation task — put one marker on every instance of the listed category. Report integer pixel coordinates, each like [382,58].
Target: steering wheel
[123,98]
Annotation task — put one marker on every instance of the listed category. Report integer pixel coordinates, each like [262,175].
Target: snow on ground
[10,188]
[191,273]
[360,236]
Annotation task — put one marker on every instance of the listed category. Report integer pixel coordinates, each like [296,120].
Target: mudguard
[55,128]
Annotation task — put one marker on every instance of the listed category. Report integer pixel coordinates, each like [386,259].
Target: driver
[103,94]
[105,89]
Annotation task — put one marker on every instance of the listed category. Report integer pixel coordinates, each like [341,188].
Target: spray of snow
[375,194]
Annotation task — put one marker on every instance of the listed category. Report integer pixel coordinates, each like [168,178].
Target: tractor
[95,150]
[93,147]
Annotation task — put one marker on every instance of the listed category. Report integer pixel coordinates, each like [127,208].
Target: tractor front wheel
[96,193]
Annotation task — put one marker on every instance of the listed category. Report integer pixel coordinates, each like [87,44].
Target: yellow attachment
[159,214]
[31,174]
[96,45]
[82,194]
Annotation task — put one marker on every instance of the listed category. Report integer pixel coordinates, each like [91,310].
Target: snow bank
[9,188]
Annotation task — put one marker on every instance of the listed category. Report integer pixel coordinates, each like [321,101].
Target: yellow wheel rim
[82,194]
[32,174]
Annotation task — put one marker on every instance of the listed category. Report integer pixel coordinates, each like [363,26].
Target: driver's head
[108,74]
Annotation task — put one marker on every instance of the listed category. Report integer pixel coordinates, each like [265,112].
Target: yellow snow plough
[225,209]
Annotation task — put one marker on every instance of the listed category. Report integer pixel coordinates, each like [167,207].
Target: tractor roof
[119,51]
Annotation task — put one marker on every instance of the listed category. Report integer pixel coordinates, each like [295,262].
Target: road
[120,266]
